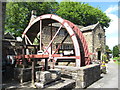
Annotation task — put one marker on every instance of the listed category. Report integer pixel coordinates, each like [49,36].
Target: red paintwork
[78,33]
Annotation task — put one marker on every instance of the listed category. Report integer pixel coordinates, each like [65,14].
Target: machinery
[34,29]
[42,52]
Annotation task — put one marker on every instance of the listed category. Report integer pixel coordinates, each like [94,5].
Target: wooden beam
[46,64]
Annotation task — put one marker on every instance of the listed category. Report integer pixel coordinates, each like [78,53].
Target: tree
[3,17]
[18,14]
[115,51]
[82,14]
[107,50]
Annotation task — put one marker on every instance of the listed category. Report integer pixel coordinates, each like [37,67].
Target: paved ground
[60,84]
[109,80]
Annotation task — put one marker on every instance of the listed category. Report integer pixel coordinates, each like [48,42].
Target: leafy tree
[107,50]
[18,14]
[3,17]
[115,51]
[82,14]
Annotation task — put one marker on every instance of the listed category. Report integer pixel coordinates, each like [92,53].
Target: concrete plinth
[45,77]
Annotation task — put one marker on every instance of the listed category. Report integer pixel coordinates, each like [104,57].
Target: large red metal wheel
[80,46]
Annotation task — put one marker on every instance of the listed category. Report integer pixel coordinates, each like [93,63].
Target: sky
[111,9]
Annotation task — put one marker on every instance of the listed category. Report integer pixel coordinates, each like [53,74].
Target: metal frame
[74,33]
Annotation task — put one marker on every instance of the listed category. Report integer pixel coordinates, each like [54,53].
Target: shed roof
[58,25]
[82,28]
[90,27]
[8,36]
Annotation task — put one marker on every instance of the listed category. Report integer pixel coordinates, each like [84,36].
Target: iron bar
[51,38]
[40,34]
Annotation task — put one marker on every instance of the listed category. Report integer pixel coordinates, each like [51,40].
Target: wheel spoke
[61,43]
[28,39]
[40,34]
[53,38]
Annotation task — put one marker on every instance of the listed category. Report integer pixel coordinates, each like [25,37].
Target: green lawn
[116,60]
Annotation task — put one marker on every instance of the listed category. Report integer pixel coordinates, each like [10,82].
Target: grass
[116,60]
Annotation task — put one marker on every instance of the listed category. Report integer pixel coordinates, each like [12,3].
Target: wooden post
[46,64]
[23,56]
[33,71]
[21,79]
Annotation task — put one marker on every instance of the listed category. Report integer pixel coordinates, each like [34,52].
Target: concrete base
[64,83]
[46,77]
[55,74]
[24,74]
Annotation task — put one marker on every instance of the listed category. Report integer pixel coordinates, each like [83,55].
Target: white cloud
[112,9]
[112,41]
[112,30]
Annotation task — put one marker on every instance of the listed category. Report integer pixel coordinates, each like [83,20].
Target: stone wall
[46,37]
[88,38]
[99,40]
[24,74]
[84,76]
[87,75]
[95,38]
